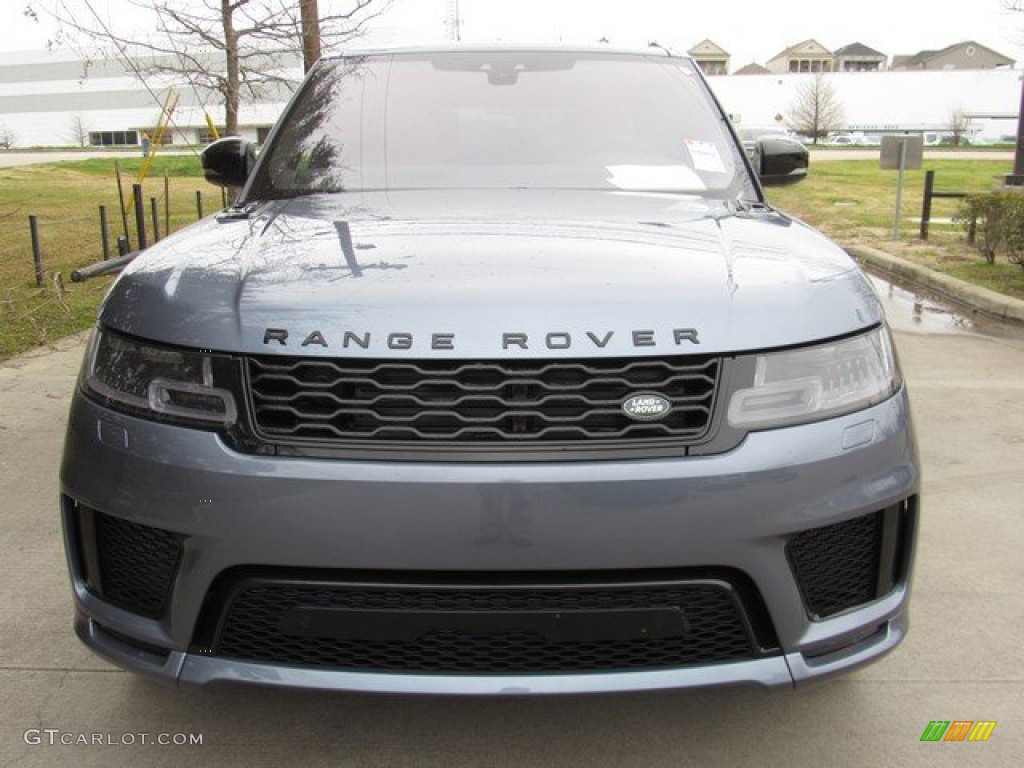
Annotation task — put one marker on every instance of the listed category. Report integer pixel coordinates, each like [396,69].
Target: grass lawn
[851,200]
[65,198]
[854,202]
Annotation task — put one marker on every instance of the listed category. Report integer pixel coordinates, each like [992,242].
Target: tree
[78,131]
[7,137]
[232,48]
[816,110]
[957,125]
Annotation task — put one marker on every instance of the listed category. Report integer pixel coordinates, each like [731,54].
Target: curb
[980,299]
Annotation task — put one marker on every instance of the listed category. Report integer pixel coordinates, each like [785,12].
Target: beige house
[808,56]
[857,57]
[710,57]
[753,68]
[965,55]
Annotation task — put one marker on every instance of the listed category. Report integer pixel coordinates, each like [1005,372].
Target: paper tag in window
[662,178]
[705,156]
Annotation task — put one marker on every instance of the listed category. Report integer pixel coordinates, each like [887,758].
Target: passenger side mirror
[228,162]
[780,161]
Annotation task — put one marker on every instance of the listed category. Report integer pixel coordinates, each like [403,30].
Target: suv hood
[486,273]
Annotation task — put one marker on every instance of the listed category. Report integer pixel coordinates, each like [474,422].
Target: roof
[799,48]
[753,68]
[857,49]
[923,57]
[913,59]
[459,47]
[708,48]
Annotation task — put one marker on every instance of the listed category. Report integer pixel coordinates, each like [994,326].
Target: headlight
[161,382]
[814,383]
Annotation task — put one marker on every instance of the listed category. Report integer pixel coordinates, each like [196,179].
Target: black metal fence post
[926,206]
[199,203]
[104,232]
[140,216]
[37,254]
[155,212]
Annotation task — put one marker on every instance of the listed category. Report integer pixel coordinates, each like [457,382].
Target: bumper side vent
[838,566]
[130,565]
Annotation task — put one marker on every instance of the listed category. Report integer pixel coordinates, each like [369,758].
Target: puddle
[914,309]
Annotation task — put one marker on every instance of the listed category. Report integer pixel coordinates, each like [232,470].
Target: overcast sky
[750,30]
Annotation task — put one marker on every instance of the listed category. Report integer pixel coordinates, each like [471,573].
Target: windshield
[502,120]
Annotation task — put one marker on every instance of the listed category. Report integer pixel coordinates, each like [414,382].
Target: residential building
[710,57]
[753,68]
[808,56]
[965,55]
[858,57]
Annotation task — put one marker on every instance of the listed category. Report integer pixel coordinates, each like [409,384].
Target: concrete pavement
[963,660]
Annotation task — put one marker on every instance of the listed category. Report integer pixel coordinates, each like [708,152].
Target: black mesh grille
[428,633]
[137,564]
[460,401]
[837,566]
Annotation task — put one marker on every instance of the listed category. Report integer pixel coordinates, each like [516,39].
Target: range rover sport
[499,375]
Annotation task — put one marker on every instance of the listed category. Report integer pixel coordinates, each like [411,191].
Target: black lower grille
[837,566]
[136,564]
[478,402]
[485,630]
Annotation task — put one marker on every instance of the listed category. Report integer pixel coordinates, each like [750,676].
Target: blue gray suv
[498,376]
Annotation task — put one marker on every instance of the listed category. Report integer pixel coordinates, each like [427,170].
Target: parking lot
[963,660]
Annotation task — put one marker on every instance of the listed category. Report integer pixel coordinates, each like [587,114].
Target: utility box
[912,148]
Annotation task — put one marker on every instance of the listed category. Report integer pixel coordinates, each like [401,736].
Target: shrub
[1000,221]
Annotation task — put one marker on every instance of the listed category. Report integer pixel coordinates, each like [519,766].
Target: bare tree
[957,125]
[232,48]
[816,110]
[78,131]
[7,137]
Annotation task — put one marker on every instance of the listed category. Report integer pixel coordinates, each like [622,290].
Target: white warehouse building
[882,102]
[55,99]
[50,98]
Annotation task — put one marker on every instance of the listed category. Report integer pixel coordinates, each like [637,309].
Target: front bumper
[733,513]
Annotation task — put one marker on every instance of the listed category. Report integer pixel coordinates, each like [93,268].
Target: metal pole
[199,204]
[926,206]
[899,190]
[155,213]
[104,232]
[167,205]
[120,197]
[140,216]
[37,254]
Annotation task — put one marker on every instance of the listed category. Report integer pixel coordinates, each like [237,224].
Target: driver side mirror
[228,162]
[780,161]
